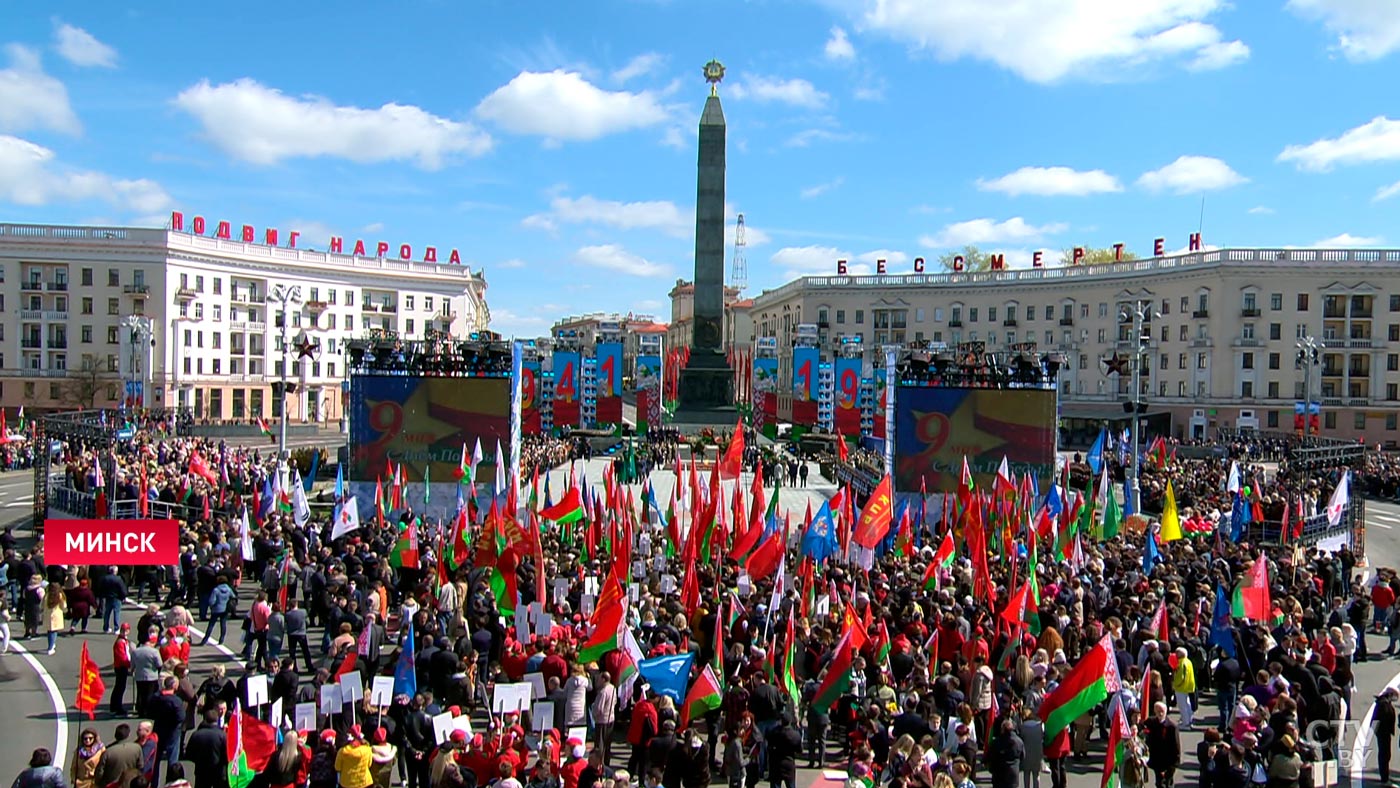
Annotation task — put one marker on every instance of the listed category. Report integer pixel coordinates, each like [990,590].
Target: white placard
[381,692]
[823,605]
[578,733]
[591,585]
[463,724]
[257,690]
[668,584]
[331,701]
[644,543]
[522,625]
[634,593]
[536,610]
[544,624]
[305,717]
[536,682]
[561,590]
[511,697]
[542,716]
[585,605]
[639,569]
[352,687]
[274,717]
[442,727]
[658,563]
[745,585]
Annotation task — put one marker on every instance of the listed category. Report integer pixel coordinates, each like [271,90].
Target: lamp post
[139,330]
[175,344]
[1309,356]
[1139,313]
[285,296]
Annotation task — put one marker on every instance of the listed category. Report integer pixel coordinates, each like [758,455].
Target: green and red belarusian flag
[609,619]
[405,552]
[1083,688]
[250,745]
[1118,735]
[838,673]
[704,697]
[267,433]
[1251,598]
[568,510]
[464,468]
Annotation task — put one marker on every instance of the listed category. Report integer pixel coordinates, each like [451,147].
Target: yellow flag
[1171,522]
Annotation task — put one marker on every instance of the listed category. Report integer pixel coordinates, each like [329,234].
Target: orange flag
[877,515]
[90,684]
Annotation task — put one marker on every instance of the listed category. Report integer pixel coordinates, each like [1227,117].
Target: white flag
[347,520]
[1339,500]
[500,469]
[245,537]
[301,508]
[634,653]
[1233,485]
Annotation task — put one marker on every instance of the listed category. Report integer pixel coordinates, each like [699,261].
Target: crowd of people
[948,695]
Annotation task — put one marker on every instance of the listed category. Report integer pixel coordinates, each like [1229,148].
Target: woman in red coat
[81,602]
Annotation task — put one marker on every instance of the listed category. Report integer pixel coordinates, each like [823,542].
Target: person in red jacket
[640,732]
[575,764]
[121,666]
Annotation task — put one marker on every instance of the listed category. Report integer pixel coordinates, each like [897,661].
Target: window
[1276,301]
[138,277]
[87,305]
[408,303]
[822,317]
[1166,361]
[1248,361]
[860,317]
[1247,389]
[428,306]
[55,391]
[1030,311]
[349,301]
[86,334]
[1359,420]
[113,306]
[218,288]
[1393,332]
[330,296]
[1166,333]
[991,338]
[199,310]
[1390,422]
[1083,362]
[1202,302]
[840,316]
[86,278]
[199,284]
[1103,310]
[218,312]
[1273,389]
[1181,361]
[1329,419]
[1103,335]
[955,314]
[1275,331]
[1201,360]
[1166,307]
[1392,391]
[991,314]
[1084,311]
[1273,360]
[972,314]
[1247,331]
[1302,302]
[408,326]
[217,366]
[1271,419]
[1251,301]
[112,335]
[184,281]
[114,278]
[1182,334]
[1392,362]
[1185,304]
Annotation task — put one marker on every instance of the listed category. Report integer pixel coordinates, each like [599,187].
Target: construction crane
[739,270]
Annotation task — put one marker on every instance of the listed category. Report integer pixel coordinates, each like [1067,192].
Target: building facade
[638,334]
[1221,334]
[95,316]
[681,330]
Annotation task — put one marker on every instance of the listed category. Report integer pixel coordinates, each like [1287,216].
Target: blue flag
[310,480]
[266,502]
[668,676]
[819,540]
[1128,510]
[1150,556]
[1221,633]
[1238,515]
[405,677]
[339,482]
[1095,457]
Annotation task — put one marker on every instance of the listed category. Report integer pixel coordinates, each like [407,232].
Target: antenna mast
[739,270]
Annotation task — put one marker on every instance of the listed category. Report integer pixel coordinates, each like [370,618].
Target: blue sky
[555,146]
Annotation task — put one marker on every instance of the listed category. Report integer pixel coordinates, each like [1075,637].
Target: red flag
[90,685]
[1298,521]
[842,453]
[876,516]
[766,559]
[733,461]
[201,469]
[347,665]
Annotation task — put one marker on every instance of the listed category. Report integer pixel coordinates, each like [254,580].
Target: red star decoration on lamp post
[1116,364]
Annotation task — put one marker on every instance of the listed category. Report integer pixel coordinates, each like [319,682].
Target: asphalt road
[36,690]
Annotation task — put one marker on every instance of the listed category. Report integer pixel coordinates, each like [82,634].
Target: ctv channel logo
[112,542]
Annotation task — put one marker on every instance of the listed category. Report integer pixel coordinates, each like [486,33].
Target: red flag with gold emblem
[90,684]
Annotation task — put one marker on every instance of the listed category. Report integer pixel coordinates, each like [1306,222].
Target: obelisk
[707,384]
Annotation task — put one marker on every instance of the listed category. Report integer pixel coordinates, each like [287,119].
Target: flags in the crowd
[262,425]
[876,516]
[733,462]
[245,537]
[1252,593]
[250,745]
[301,508]
[1341,497]
[819,540]
[90,684]
[501,478]
[100,485]
[1128,507]
[1095,455]
[704,696]
[668,675]
[1084,687]
[464,469]
[1171,521]
[405,674]
[1112,516]
[568,510]
[1159,622]
[1222,634]
[405,552]
[838,672]
[1119,732]
[608,623]
[1150,555]
[347,520]
[310,480]
[1232,483]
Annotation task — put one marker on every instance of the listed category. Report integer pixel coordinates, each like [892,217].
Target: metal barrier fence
[84,505]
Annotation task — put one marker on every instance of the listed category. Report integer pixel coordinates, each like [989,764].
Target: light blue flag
[1095,457]
[668,676]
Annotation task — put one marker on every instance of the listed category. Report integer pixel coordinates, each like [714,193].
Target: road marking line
[60,750]
[1358,747]
[1383,525]
[197,632]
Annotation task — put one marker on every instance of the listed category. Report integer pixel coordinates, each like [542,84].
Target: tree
[973,259]
[83,385]
[1096,255]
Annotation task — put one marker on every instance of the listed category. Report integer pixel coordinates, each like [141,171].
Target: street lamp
[1139,313]
[139,330]
[1309,356]
[284,296]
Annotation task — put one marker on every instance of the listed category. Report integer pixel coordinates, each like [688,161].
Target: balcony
[31,286]
[58,287]
[31,343]
[186,294]
[1334,312]
[1249,311]
[55,314]
[371,307]
[1363,313]
[31,314]
[1332,402]
[1200,314]
[955,323]
[1248,342]
[1200,342]
[1010,322]
[390,309]
[1331,372]
[1358,372]
[248,296]
[58,343]
[1066,321]
[254,326]
[823,323]
[316,307]
[137,290]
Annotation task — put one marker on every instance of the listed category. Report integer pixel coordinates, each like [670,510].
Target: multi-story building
[93,316]
[1222,331]
[679,332]
[633,330]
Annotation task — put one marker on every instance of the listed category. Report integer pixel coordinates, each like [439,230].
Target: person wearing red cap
[354,760]
[574,764]
[384,755]
[121,666]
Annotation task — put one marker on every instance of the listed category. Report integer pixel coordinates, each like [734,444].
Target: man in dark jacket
[784,745]
[1385,730]
[167,713]
[120,756]
[1004,759]
[207,749]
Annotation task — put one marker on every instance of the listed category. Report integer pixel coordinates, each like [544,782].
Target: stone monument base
[706,397]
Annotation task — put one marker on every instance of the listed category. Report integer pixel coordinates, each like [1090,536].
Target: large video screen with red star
[935,428]
[423,423]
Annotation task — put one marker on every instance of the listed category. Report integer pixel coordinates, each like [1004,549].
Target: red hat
[574,741]
[380,735]
[357,733]
[328,736]
[455,711]
[458,737]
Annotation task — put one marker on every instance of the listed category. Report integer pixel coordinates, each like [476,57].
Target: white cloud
[612,257]
[262,125]
[752,236]
[806,137]
[561,105]
[639,66]
[31,175]
[1191,174]
[869,93]
[1052,182]
[1261,210]
[372,227]
[31,99]
[1376,141]
[1044,40]
[1348,241]
[986,231]
[81,48]
[839,47]
[510,323]
[514,262]
[821,188]
[795,92]
[655,214]
[1386,192]
[1365,29]
[675,138]
[798,261]
[539,221]
[317,235]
